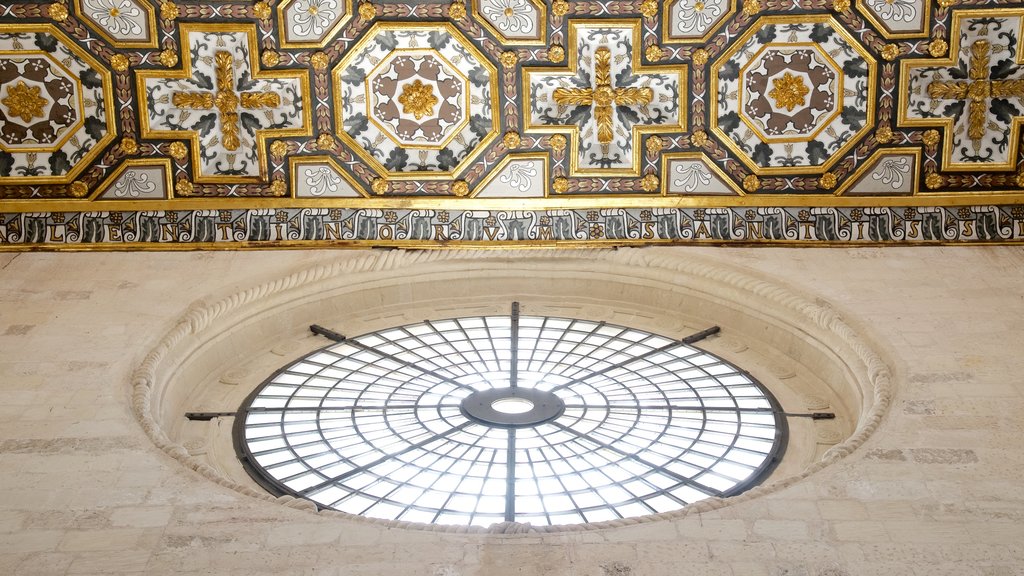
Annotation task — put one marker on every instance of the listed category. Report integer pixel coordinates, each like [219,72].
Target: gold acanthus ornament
[24,101]
[789,91]
[226,100]
[602,96]
[977,90]
[418,99]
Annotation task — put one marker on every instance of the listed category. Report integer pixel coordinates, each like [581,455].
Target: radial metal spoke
[685,341]
[513,376]
[320,330]
[510,477]
[383,459]
[255,410]
[679,477]
[635,407]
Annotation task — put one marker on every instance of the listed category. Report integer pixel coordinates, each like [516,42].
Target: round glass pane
[512,405]
[412,423]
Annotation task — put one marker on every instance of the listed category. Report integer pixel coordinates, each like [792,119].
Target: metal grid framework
[375,425]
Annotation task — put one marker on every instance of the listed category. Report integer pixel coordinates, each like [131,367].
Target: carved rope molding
[788,309]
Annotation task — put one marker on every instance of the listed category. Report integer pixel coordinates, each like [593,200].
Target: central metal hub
[512,407]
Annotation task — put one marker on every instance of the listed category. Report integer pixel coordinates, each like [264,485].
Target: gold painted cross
[602,96]
[978,90]
[226,100]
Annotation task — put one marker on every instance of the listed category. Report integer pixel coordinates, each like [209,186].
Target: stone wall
[935,490]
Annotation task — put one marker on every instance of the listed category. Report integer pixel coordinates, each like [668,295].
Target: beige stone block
[111,562]
[726,551]
[850,552]
[684,569]
[179,561]
[280,561]
[30,541]
[68,519]
[360,554]
[146,517]
[842,510]
[18,330]
[781,529]
[931,532]
[982,553]
[944,456]
[712,529]
[110,539]
[10,561]
[807,553]
[507,560]
[11,521]
[957,569]
[602,553]
[886,510]
[750,569]
[308,534]
[695,551]
[794,510]
[860,531]
[642,532]
[882,569]
[44,564]
[413,569]
[891,490]
[994,389]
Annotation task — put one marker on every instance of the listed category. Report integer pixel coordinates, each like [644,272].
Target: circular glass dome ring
[483,406]
[512,405]
[374,425]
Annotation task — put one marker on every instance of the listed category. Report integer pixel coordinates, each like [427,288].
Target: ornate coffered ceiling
[139,124]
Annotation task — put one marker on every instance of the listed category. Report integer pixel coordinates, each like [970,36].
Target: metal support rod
[694,338]
[510,477]
[206,416]
[514,371]
[321,331]
[251,409]
[606,446]
[634,407]
[385,458]
[688,340]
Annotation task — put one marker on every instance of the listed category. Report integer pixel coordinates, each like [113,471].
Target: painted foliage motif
[515,20]
[129,22]
[980,92]
[693,20]
[223,103]
[602,98]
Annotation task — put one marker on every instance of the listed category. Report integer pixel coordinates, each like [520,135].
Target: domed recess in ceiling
[792,355]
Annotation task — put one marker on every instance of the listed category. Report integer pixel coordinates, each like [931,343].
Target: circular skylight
[532,419]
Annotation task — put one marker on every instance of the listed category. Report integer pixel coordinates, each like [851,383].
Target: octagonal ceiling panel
[416,101]
[55,102]
[509,122]
[793,96]
[790,92]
